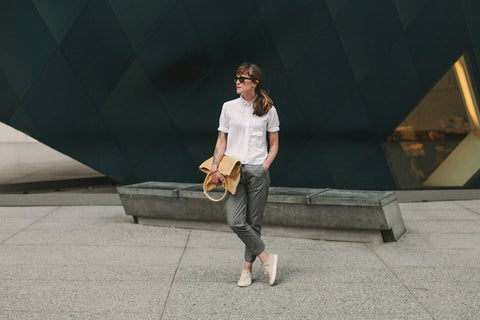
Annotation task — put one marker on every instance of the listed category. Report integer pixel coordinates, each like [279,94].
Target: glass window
[430,133]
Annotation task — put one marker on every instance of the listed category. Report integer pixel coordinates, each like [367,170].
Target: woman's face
[247,86]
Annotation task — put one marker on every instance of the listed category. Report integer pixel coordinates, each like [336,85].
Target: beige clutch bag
[229,168]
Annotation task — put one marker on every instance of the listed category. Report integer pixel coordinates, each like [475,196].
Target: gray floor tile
[288,273]
[435,205]
[397,256]
[7,233]
[14,218]
[87,272]
[222,240]
[441,214]
[74,255]
[443,226]
[119,234]
[213,300]
[470,204]
[444,240]
[30,213]
[277,243]
[450,300]
[16,315]
[68,217]
[31,315]
[411,275]
[94,263]
[83,296]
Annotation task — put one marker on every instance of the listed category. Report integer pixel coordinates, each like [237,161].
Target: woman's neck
[248,96]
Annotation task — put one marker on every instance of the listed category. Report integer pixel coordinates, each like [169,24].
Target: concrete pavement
[92,262]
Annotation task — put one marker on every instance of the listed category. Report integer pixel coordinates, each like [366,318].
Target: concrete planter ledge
[328,214]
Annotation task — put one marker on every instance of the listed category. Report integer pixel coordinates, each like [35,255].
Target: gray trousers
[244,210]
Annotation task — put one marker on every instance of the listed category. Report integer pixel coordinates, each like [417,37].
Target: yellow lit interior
[463,163]
[467,95]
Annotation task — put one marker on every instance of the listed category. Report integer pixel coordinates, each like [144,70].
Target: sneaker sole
[274,268]
[244,285]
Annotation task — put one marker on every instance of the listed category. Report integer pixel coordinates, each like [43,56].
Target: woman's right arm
[220,148]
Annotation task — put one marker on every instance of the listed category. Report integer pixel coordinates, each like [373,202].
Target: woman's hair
[262,103]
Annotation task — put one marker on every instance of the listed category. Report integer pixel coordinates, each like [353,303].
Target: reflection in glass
[429,134]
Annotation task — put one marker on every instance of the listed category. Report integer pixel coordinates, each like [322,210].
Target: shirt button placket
[247,133]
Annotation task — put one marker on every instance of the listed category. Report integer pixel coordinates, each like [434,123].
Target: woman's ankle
[264,256]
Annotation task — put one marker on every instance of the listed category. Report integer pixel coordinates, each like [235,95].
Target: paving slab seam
[174,275]
[403,284]
[469,209]
[31,224]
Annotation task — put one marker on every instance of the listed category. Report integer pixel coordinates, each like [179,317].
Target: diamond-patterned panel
[367,29]
[134,88]
[162,164]
[136,133]
[98,50]
[437,38]
[293,40]
[309,159]
[68,121]
[335,6]
[175,64]
[348,174]
[139,18]
[351,146]
[470,11]
[8,99]
[22,121]
[25,44]
[409,9]
[59,15]
[322,79]
[199,136]
[215,24]
[386,110]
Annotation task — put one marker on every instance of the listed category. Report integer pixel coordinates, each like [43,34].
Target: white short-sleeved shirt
[247,133]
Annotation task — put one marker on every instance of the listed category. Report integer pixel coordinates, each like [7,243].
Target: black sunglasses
[242,79]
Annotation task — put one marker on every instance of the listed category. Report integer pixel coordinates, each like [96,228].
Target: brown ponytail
[262,103]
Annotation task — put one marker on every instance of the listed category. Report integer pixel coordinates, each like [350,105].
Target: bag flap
[228,165]
[206,165]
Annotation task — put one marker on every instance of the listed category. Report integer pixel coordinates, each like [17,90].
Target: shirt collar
[246,103]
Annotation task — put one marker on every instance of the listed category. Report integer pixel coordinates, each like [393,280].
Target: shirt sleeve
[273,123]
[223,122]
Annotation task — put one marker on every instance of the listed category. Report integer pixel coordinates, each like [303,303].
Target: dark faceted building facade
[371,94]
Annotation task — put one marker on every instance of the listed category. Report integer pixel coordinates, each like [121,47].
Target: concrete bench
[329,214]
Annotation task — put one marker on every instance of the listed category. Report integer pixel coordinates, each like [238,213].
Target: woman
[244,123]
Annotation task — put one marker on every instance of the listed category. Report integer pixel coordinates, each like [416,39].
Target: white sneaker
[271,268]
[245,278]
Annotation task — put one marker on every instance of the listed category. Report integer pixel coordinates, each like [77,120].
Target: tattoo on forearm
[215,154]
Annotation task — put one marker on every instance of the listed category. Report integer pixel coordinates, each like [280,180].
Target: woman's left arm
[272,153]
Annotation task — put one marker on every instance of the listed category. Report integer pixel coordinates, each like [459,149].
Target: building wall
[134,89]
